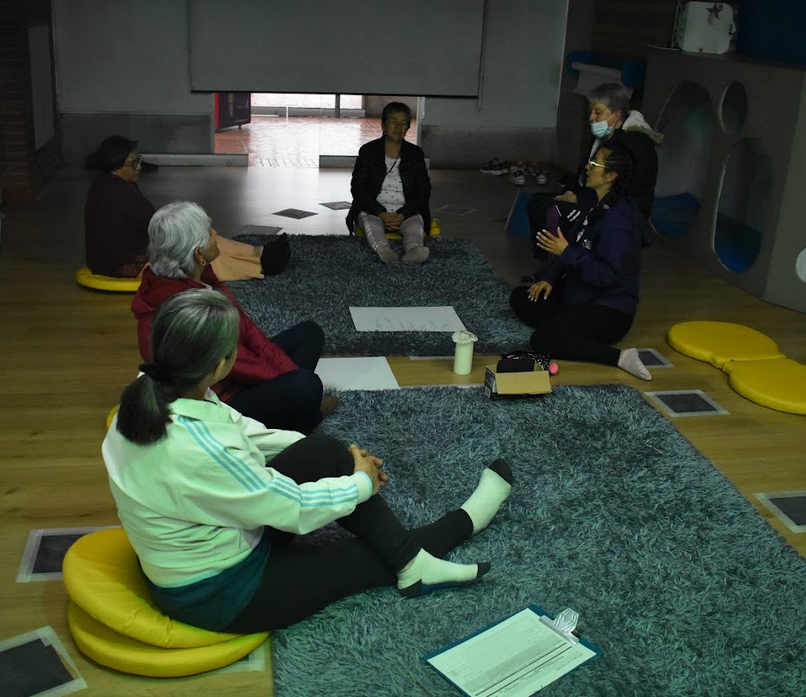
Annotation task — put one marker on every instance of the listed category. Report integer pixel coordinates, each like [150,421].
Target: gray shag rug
[613,513]
[327,275]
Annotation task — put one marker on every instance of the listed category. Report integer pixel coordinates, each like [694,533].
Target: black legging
[302,579]
[291,401]
[581,333]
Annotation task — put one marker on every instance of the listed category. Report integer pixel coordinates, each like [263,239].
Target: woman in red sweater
[273,380]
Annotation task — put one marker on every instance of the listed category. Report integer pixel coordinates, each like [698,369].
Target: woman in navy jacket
[587,295]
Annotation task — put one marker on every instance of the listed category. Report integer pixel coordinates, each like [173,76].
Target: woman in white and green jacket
[210,498]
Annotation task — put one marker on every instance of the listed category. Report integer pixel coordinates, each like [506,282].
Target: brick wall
[23,170]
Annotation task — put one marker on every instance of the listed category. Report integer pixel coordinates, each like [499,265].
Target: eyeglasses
[135,162]
[596,164]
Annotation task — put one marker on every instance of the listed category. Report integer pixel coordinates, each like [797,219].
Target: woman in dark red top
[116,214]
[116,218]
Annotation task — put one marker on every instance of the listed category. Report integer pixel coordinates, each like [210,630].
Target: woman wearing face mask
[585,298]
[611,122]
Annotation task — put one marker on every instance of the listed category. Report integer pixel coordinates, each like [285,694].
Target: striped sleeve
[242,493]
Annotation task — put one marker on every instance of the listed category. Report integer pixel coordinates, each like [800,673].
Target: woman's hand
[391,221]
[371,465]
[553,244]
[541,287]
[568,196]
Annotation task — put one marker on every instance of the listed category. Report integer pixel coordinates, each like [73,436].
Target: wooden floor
[66,353]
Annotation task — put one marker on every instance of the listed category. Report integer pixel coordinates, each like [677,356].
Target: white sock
[630,360]
[492,491]
[426,573]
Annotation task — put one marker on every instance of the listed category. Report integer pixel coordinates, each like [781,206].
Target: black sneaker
[276,255]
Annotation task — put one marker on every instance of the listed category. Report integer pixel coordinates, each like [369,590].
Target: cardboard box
[705,27]
[509,385]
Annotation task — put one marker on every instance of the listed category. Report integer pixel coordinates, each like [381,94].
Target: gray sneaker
[517,177]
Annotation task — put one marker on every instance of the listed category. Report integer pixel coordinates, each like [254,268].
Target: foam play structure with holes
[731,190]
[115,622]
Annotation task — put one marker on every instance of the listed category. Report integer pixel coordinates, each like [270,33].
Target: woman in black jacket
[391,189]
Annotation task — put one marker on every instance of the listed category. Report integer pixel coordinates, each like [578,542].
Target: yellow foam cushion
[436,231]
[86,278]
[720,342]
[778,383]
[111,416]
[103,577]
[128,655]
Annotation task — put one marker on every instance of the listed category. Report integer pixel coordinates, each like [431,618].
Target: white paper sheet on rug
[406,319]
[372,373]
[514,658]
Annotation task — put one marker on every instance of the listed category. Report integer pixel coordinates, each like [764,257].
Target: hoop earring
[203,262]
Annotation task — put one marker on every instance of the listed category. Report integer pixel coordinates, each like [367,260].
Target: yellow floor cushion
[720,342]
[110,417]
[436,231]
[114,650]
[85,277]
[102,576]
[778,383]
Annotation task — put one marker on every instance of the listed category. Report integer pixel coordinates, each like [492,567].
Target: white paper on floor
[406,319]
[369,373]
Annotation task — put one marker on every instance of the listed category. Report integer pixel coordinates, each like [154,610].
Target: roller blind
[418,47]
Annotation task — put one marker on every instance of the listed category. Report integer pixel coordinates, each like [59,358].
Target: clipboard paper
[515,657]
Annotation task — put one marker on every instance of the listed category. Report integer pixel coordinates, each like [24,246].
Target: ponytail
[144,414]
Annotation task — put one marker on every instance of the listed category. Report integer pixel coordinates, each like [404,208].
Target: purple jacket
[603,266]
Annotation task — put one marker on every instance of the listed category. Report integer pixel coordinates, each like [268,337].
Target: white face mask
[601,129]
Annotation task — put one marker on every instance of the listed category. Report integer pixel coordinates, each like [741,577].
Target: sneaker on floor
[329,404]
[416,255]
[387,255]
[517,177]
[495,167]
[542,177]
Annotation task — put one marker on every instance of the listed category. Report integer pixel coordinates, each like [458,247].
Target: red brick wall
[23,170]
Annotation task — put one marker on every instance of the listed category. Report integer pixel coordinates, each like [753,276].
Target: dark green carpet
[327,275]
[675,576]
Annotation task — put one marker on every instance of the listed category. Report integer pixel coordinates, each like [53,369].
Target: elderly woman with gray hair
[272,380]
[211,499]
